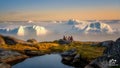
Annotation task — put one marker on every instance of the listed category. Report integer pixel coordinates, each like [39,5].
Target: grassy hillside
[85,49]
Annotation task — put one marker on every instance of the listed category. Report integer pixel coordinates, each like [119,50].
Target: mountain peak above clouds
[38,30]
[73,21]
[21,31]
[99,27]
[93,27]
[26,30]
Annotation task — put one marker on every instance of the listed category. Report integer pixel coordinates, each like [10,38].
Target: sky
[41,10]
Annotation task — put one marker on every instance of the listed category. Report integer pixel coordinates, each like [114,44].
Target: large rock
[33,53]
[4,65]
[11,57]
[11,40]
[69,55]
[71,52]
[71,58]
[107,43]
[110,57]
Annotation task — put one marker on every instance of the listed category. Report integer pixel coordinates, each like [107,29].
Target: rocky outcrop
[4,65]
[11,57]
[106,43]
[71,52]
[12,41]
[71,58]
[32,41]
[33,53]
[111,56]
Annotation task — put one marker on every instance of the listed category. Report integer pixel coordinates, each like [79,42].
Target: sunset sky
[20,10]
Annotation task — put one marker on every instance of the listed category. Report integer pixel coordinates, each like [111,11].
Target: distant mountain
[91,27]
[60,27]
[26,30]
[73,22]
[98,27]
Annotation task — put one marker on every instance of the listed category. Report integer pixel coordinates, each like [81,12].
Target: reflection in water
[46,61]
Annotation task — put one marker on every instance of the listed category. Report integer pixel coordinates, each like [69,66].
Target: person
[64,38]
[71,38]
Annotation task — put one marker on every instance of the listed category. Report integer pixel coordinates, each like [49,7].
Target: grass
[85,49]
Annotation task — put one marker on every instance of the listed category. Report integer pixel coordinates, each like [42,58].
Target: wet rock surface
[33,53]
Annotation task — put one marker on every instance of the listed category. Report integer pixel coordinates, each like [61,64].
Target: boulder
[11,40]
[32,53]
[68,56]
[71,58]
[32,41]
[71,53]
[106,43]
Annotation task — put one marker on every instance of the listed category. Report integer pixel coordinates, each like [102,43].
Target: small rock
[32,41]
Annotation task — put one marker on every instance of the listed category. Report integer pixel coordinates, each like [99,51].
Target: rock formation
[32,41]
[71,58]
[10,57]
[110,57]
[12,41]
[4,65]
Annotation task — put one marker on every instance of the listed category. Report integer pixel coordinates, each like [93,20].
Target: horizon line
[51,20]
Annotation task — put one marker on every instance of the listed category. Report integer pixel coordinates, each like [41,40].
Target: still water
[45,61]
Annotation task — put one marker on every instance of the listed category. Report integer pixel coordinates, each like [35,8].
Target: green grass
[85,49]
